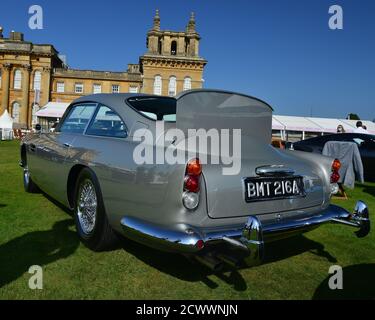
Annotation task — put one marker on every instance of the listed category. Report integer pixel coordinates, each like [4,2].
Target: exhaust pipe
[210,262]
[231,261]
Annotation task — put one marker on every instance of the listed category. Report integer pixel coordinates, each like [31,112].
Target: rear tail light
[335,176]
[190,197]
[336,165]
[190,200]
[191,183]
[194,168]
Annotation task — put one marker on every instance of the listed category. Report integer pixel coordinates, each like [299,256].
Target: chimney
[133,68]
[16,36]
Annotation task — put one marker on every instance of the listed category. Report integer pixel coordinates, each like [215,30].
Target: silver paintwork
[144,202]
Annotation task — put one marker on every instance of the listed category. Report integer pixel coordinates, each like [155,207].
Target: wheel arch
[23,155]
[71,183]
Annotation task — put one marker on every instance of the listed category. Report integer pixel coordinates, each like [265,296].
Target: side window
[107,123]
[78,118]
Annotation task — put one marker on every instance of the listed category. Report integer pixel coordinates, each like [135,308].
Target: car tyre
[90,218]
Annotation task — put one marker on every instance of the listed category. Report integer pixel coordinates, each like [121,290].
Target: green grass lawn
[36,231]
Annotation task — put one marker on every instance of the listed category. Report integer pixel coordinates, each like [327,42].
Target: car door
[311,145]
[106,148]
[53,149]
[366,146]
[367,150]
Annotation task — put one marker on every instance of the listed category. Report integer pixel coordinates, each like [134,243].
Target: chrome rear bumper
[250,237]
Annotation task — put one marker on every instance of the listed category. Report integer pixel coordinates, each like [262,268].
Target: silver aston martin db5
[194,174]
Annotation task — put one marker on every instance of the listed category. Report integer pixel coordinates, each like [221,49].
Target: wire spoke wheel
[87,206]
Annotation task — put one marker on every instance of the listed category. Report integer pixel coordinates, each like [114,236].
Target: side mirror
[38,127]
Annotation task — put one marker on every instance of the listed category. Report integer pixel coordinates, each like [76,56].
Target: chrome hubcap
[87,206]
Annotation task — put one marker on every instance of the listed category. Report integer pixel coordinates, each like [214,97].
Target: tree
[353,116]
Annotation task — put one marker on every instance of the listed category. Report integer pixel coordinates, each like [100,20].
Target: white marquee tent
[51,113]
[317,126]
[52,110]
[6,126]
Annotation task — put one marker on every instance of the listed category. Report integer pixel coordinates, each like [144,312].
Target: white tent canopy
[298,124]
[277,125]
[52,110]
[319,125]
[6,121]
[330,125]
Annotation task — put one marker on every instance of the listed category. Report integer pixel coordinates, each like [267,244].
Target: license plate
[257,189]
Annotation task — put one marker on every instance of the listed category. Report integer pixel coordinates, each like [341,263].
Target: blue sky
[279,50]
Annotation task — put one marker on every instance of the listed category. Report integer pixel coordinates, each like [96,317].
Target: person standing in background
[360,128]
[340,129]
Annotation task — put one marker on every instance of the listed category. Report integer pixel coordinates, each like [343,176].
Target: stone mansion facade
[31,74]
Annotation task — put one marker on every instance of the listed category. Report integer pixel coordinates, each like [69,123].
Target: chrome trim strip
[274,170]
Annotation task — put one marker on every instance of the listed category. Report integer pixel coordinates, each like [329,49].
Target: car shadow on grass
[182,267]
[358,283]
[369,189]
[36,248]
[190,270]
[286,248]
[57,204]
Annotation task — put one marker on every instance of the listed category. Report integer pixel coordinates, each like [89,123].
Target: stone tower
[172,63]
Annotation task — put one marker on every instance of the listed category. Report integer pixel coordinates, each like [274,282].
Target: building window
[187,83]
[172,86]
[17,79]
[115,88]
[78,88]
[173,48]
[157,85]
[16,112]
[37,80]
[60,87]
[133,89]
[97,88]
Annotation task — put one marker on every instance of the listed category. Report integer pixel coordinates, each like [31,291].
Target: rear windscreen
[155,108]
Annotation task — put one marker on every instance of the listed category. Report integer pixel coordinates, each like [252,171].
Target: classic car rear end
[219,204]
[275,193]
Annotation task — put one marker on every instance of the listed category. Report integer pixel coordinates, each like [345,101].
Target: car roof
[111,99]
[119,99]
